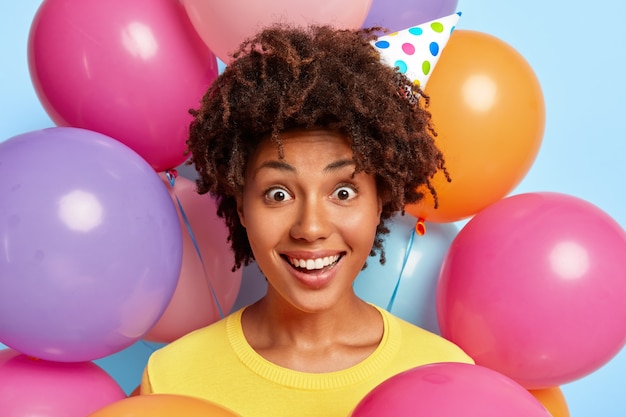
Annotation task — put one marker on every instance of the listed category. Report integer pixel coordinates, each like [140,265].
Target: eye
[277,195]
[345,193]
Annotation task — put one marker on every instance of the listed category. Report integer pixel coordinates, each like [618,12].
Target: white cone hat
[416,50]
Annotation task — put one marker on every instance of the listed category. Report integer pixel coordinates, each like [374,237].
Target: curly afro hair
[317,77]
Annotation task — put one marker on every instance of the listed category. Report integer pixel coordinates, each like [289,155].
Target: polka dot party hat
[416,50]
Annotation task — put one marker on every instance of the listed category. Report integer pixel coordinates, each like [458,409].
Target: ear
[239,199]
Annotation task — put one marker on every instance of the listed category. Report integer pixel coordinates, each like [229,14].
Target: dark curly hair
[317,77]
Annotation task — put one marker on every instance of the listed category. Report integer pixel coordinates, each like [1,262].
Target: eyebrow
[284,166]
[339,164]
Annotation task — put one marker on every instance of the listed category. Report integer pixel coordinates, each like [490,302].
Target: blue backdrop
[579,57]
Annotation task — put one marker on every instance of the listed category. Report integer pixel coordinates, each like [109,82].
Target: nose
[312,221]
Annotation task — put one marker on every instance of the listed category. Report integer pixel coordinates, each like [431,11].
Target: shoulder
[197,362]
[421,344]
[198,345]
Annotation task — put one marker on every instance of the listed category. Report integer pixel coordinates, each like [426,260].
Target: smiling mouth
[313,265]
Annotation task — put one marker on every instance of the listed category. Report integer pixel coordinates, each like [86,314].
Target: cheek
[360,227]
[263,228]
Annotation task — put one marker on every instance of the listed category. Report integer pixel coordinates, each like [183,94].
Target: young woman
[310,144]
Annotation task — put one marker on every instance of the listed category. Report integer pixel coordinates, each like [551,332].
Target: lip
[314,279]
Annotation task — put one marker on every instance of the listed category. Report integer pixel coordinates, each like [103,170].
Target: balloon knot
[420,227]
[171,175]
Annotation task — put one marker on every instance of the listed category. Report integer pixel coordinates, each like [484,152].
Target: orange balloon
[488,110]
[553,399]
[162,405]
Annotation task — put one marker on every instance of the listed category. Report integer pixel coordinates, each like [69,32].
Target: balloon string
[171,177]
[409,246]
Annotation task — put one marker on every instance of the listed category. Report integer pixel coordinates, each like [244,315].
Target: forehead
[302,151]
[293,142]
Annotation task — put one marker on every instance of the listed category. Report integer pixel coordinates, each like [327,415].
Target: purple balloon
[90,245]
[403,14]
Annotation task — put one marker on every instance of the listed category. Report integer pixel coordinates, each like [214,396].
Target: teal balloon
[406,284]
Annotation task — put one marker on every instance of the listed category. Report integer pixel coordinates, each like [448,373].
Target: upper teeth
[317,263]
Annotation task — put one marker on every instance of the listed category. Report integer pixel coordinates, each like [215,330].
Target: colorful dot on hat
[408,48]
[402,67]
[416,31]
[426,67]
[437,27]
[382,44]
[434,48]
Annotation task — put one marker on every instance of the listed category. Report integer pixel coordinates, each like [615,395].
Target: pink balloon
[223,25]
[449,390]
[32,387]
[533,287]
[129,70]
[207,287]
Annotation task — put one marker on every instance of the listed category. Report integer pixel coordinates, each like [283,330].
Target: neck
[322,341]
[286,322]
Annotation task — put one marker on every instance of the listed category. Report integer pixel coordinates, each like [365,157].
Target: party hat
[416,50]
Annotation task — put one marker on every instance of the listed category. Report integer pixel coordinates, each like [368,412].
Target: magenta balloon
[449,390]
[90,248]
[31,387]
[128,69]
[533,287]
[403,14]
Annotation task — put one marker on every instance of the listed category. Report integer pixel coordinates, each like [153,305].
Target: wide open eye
[277,195]
[345,193]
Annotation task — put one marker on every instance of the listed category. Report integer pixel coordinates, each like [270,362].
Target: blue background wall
[578,54]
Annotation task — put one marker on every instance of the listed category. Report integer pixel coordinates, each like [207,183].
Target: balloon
[207,287]
[533,286]
[129,70]
[253,286]
[401,14]
[488,110]
[136,391]
[162,405]
[31,387]
[224,25]
[553,399]
[449,390]
[406,284]
[91,245]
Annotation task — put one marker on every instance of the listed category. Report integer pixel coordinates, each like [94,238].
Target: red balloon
[34,387]
[129,70]
[449,390]
[533,287]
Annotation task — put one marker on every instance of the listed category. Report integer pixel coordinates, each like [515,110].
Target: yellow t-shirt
[217,364]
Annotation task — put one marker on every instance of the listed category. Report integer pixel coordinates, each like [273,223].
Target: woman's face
[311,221]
